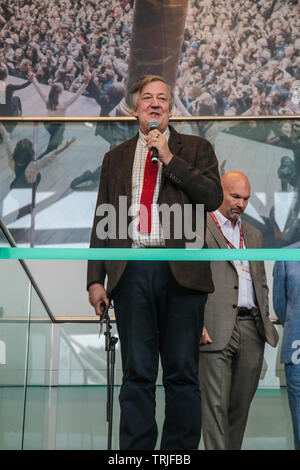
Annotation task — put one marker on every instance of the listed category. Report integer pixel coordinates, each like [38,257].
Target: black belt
[244,311]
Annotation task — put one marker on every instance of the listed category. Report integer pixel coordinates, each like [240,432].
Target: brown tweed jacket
[191,177]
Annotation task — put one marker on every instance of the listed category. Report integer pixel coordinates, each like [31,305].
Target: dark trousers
[292,374]
[156,316]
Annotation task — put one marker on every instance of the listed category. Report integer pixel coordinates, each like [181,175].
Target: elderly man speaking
[158,305]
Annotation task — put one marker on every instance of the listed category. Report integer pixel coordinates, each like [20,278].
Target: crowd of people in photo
[52,39]
[238,58]
[241,58]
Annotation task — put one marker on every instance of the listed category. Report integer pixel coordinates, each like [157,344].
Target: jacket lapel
[175,146]
[219,238]
[128,158]
[250,243]
[175,143]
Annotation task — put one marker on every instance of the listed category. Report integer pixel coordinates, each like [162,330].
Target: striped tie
[150,177]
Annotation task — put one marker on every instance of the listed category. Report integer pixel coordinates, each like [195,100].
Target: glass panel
[3,240]
[66,386]
[40,357]
[58,210]
[16,194]
[14,321]
[66,195]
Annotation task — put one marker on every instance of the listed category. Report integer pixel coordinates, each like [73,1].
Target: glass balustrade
[53,367]
[15,293]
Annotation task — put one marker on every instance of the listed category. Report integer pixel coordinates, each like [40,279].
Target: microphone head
[153,124]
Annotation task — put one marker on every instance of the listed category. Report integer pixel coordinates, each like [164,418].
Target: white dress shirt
[246,295]
[155,238]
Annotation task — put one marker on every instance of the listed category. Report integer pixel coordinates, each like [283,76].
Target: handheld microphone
[153,124]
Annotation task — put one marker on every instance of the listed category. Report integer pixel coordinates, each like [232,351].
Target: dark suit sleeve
[200,180]
[96,268]
[95,92]
[10,89]
[279,291]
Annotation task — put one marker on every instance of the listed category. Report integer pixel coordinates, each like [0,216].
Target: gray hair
[140,84]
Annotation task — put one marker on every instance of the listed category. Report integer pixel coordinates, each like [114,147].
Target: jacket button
[235,287]
[234,306]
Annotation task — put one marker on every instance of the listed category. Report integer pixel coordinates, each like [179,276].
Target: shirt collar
[224,221]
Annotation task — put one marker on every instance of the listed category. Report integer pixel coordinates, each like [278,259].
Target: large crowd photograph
[79,57]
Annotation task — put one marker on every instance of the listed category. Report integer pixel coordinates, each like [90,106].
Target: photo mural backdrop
[49,174]
[222,58]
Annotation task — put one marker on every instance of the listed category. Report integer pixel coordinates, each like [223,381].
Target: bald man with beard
[236,322]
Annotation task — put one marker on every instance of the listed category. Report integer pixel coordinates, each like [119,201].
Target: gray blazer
[221,307]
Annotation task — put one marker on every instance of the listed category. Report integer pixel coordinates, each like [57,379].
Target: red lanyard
[227,241]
